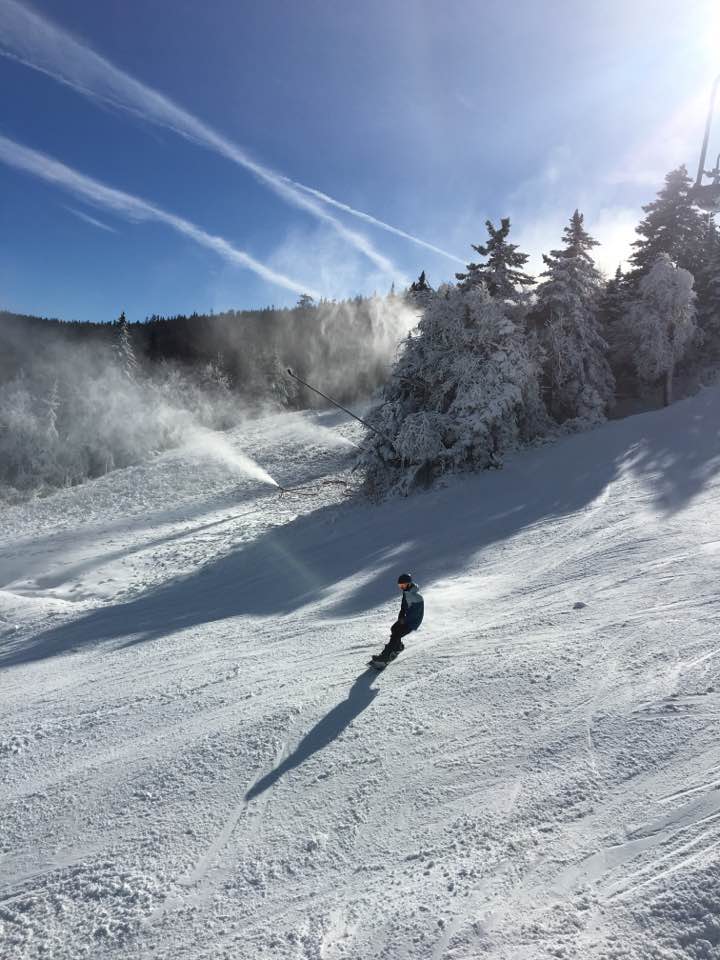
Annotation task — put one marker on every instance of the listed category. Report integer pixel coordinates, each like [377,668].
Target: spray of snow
[208,443]
[288,427]
[363,340]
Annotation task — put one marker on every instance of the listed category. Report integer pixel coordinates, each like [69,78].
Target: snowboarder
[410,617]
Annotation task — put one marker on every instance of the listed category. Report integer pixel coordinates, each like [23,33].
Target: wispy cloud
[40,44]
[88,219]
[134,208]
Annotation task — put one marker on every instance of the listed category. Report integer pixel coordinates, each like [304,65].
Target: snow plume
[36,42]
[344,349]
[319,432]
[132,208]
[208,443]
[365,337]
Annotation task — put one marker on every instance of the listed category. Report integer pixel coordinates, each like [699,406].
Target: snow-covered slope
[196,762]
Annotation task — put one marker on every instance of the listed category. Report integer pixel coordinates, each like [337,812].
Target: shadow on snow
[346,558]
[360,696]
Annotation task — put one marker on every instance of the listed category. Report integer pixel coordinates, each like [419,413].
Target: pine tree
[124,348]
[615,328]
[664,320]
[420,285]
[419,291]
[578,379]
[305,302]
[502,273]
[464,391]
[613,306]
[673,226]
[707,285]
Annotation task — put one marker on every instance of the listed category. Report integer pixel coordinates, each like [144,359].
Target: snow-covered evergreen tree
[52,405]
[419,292]
[214,375]
[578,381]
[124,348]
[270,382]
[673,225]
[285,389]
[664,321]
[502,273]
[464,391]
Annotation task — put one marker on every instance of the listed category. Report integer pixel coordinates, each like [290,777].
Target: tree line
[499,359]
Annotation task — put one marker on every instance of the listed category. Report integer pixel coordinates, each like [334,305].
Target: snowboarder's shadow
[360,696]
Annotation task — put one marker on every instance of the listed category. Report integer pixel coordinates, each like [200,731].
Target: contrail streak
[133,208]
[88,219]
[373,221]
[36,42]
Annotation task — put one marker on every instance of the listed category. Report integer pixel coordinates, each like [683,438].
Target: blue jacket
[412,607]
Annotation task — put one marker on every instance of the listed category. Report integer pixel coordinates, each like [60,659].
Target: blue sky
[428,116]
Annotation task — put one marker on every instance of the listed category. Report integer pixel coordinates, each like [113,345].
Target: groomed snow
[196,762]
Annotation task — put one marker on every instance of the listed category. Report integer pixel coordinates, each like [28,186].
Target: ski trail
[193,878]
[681,865]
[591,750]
[700,788]
[206,861]
[336,935]
[688,664]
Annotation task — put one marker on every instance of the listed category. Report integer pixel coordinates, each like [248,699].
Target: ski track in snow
[196,763]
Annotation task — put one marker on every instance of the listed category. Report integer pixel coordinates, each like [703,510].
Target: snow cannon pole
[339,406]
[708,124]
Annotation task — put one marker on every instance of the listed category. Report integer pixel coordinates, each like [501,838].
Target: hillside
[196,762]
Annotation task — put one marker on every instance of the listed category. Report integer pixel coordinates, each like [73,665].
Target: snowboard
[380,664]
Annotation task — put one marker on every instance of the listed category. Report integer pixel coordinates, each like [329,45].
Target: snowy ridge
[196,763]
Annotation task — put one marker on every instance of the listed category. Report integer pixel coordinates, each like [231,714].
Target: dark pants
[397,632]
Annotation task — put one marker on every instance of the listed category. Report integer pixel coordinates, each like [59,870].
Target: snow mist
[207,443]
